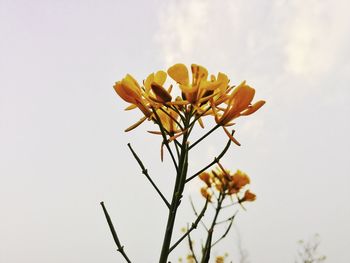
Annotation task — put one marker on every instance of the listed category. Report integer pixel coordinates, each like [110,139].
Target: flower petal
[148,82]
[253,108]
[179,73]
[125,93]
[160,77]
[136,124]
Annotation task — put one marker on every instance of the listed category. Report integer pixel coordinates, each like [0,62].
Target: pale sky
[63,149]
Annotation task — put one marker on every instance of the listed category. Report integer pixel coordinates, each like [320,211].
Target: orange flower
[240,179]
[238,103]
[205,177]
[248,196]
[223,181]
[205,193]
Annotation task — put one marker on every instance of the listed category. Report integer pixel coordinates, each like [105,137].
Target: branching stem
[145,172]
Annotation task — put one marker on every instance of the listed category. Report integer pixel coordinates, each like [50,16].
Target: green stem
[227,230]
[193,226]
[177,194]
[207,248]
[114,234]
[204,136]
[190,244]
[145,172]
[165,140]
[216,160]
[171,117]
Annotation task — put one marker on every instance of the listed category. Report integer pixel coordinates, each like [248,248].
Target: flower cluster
[227,184]
[201,96]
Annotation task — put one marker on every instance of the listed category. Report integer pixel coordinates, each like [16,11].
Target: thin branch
[226,220]
[196,214]
[145,172]
[193,226]
[178,112]
[206,250]
[216,160]
[199,116]
[114,234]
[159,122]
[208,246]
[190,244]
[227,230]
[171,117]
[167,133]
[204,136]
[229,205]
[177,149]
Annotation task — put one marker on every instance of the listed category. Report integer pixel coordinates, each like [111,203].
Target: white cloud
[315,36]
[287,37]
[181,27]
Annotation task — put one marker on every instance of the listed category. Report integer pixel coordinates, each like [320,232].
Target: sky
[63,146]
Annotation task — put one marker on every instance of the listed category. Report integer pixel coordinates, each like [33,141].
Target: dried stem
[114,234]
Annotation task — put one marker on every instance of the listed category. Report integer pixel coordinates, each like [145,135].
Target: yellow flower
[238,103]
[223,181]
[129,90]
[220,259]
[190,259]
[207,95]
[197,91]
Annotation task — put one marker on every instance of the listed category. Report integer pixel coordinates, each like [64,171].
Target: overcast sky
[63,149]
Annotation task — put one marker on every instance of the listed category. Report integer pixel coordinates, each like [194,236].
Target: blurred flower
[248,196]
[190,259]
[225,182]
[220,259]
[205,193]
[205,177]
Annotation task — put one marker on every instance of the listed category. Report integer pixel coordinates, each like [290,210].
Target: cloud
[315,36]
[285,37]
[181,25]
